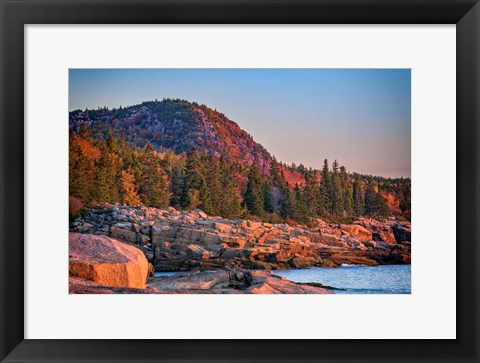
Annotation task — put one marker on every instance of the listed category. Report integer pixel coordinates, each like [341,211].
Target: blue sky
[361,117]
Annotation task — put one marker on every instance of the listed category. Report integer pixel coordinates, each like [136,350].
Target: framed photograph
[240,181]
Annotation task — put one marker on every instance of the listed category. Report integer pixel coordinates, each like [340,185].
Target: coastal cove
[349,279]
[174,185]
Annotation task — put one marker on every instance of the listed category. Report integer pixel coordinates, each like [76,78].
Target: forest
[114,170]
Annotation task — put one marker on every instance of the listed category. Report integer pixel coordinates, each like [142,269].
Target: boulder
[402,232]
[107,261]
[354,230]
[121,232]
[201,213]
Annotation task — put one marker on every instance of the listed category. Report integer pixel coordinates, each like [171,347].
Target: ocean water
[385,279]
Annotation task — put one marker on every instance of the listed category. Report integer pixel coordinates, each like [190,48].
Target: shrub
[74,206]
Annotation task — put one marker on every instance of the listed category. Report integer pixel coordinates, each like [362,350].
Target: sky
[361,117]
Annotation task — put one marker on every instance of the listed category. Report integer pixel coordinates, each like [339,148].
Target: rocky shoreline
[116,249]
[173,240]
[103,265]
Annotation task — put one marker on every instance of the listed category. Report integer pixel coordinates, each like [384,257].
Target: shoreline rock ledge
[175,240]
[103,265]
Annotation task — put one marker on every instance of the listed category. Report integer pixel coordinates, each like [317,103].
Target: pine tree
[194,200]
[312,194]
[212,170]
[381,205]
[177,180]
[193,176]
[288,203]
[205,197]
[358,201]
[108,177]
[254,194]
[375,202]
[300,211]
[231,206]
[267,198]
[347,192]
[405,196]
[154,181]
[326,203]
[370,198]
[337,192]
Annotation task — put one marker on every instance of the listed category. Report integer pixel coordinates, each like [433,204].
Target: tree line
[113,171]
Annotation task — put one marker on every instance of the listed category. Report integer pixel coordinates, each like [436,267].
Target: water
[385,279]
[173,273]
[160,274]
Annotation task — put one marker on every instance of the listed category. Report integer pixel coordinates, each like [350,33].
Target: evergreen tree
[358,201]
[312,194]
[177,180]
[370,198]
[108,177]
[231,206]
[154,182]
[326,202]
[347,192]
[288,203]
[336,192]
[194,200]
[375,203]
[193,177]
[381,205]
[205,197]
[405,196]
[254,194]
[300,210]
[212,170]
[267,198]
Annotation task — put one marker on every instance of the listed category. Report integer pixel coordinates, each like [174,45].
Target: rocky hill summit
[177,126]
[173,240]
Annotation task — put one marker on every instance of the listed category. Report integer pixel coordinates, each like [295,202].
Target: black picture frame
[17,13]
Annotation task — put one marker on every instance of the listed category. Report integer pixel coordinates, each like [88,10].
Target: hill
[176,126]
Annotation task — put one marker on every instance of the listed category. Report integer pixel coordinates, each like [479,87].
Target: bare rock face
[107,261]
